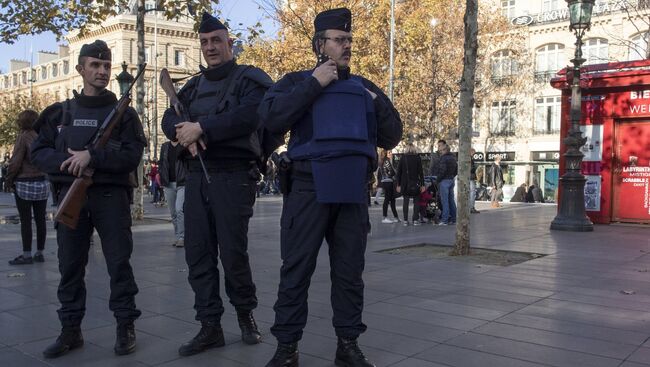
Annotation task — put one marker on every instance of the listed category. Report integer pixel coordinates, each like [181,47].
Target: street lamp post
[571,211]
[124,79]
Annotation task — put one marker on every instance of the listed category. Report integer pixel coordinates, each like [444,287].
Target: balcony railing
[544,76]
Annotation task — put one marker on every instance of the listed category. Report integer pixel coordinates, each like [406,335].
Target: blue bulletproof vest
[338,134]
[80,124]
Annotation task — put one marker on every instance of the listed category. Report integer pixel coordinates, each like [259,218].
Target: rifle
[168,86]
[68,211]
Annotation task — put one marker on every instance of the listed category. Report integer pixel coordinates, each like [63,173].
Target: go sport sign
[560,15]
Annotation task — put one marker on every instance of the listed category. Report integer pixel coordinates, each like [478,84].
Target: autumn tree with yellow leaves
[428,55]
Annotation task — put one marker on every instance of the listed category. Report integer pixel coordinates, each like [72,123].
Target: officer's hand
[188,132]
[422,189]
[193,149]
[77,163]
[398,189]
[372,94]
[326,73]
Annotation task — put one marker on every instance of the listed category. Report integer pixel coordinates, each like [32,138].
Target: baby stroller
[432,209]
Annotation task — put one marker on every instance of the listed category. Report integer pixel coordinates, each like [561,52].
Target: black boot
[210,336]
[69,339]
[285,356]
[125,340]
[249,332]
[348,354]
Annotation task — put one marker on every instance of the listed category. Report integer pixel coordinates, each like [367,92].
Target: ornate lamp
[124,79]
[571,214]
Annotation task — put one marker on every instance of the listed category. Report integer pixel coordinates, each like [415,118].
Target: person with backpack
[496,180]
[447,171]
[224,128]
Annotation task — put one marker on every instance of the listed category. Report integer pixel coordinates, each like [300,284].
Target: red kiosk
[616,122]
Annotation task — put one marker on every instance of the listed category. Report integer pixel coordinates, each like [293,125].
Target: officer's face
[216,47]
[95,73]
[338,46]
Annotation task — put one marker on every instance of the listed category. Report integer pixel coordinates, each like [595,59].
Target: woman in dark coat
[31,190]
[410,181]
[387,174]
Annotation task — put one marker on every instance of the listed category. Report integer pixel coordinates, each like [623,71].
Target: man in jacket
[222,104]
[496,180]
[327,194]
[172,179]
[61,150]
[447,171]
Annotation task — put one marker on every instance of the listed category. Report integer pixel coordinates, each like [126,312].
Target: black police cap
[98,49]
[210,24]
[340,18]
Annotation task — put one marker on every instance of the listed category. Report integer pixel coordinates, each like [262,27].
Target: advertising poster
[592,193]
[593,148]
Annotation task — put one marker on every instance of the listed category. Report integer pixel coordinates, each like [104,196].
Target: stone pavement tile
[531,352]
[507,295]
[609,312]
[11,357]
[633,364]
[626,302]
[325,348]
[503,285]
[575,328]
[544,275]
[260,354]
[448,355]
[46,315]
[150,349]
[642,355]
[574,315]
[413,329]
[12,300]
[475,312]
[172,329]
[413,362]
[15,330]
[485,303]
[557,340]
[424,316]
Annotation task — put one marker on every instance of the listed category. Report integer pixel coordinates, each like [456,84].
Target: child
[425,198]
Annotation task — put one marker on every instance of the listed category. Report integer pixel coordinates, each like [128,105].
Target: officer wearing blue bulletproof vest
[222,103]
[61,150]
[337,120]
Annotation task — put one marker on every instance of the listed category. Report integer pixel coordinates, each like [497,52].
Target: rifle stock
[70,207]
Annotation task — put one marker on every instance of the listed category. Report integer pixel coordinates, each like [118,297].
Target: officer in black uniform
[62,151]
[222,103]
[337,120]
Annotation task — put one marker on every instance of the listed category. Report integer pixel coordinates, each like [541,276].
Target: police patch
[84,123]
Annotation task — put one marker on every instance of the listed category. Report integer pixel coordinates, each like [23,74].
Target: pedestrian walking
[31,190]
[337,119]
[410,182]
[447,171]
[496,181]
[472,183]
[61,150]
[172,179]
[224,125]
[387,174]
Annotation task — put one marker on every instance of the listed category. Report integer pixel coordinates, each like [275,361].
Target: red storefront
[616,121]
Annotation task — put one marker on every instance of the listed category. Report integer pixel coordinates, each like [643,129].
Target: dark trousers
[216,227]
[389,198]
[25,209]
[405,207]
[107,209]
[304,225]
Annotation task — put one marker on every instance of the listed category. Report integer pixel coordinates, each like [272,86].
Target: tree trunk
[137,211]
[462,244]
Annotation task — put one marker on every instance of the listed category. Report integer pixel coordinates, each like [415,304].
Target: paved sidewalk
[564,309]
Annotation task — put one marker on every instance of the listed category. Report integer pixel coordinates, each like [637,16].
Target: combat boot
[69,339]
[249,332]
[210,336]
[348,354]
[125,340]
[285,356]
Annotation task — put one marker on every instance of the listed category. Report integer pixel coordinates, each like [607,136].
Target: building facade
[171,44]
[524,126]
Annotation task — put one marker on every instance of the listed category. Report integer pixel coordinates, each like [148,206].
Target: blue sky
[238,11]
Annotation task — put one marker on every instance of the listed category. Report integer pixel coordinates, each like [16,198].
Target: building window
[55,70]
[44,73]
[503,65]
[547,115]
[502,118]
[550,5]
[66,68]
[508,8]
[596,51]
[638,47]
[549,59]
[23,78]
[179,58]
[147,53]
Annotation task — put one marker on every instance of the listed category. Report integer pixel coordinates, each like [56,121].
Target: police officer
[61,150]
[337,120]
[223,123]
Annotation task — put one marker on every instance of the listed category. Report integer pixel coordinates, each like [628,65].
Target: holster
[283,163]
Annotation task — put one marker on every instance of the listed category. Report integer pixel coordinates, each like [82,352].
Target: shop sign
[552,156]
[562,14]
[505,156]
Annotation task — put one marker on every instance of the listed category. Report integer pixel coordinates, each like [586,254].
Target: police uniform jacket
[75,129]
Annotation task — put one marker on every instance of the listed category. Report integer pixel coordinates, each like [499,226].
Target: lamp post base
[572,224]
[571,212]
